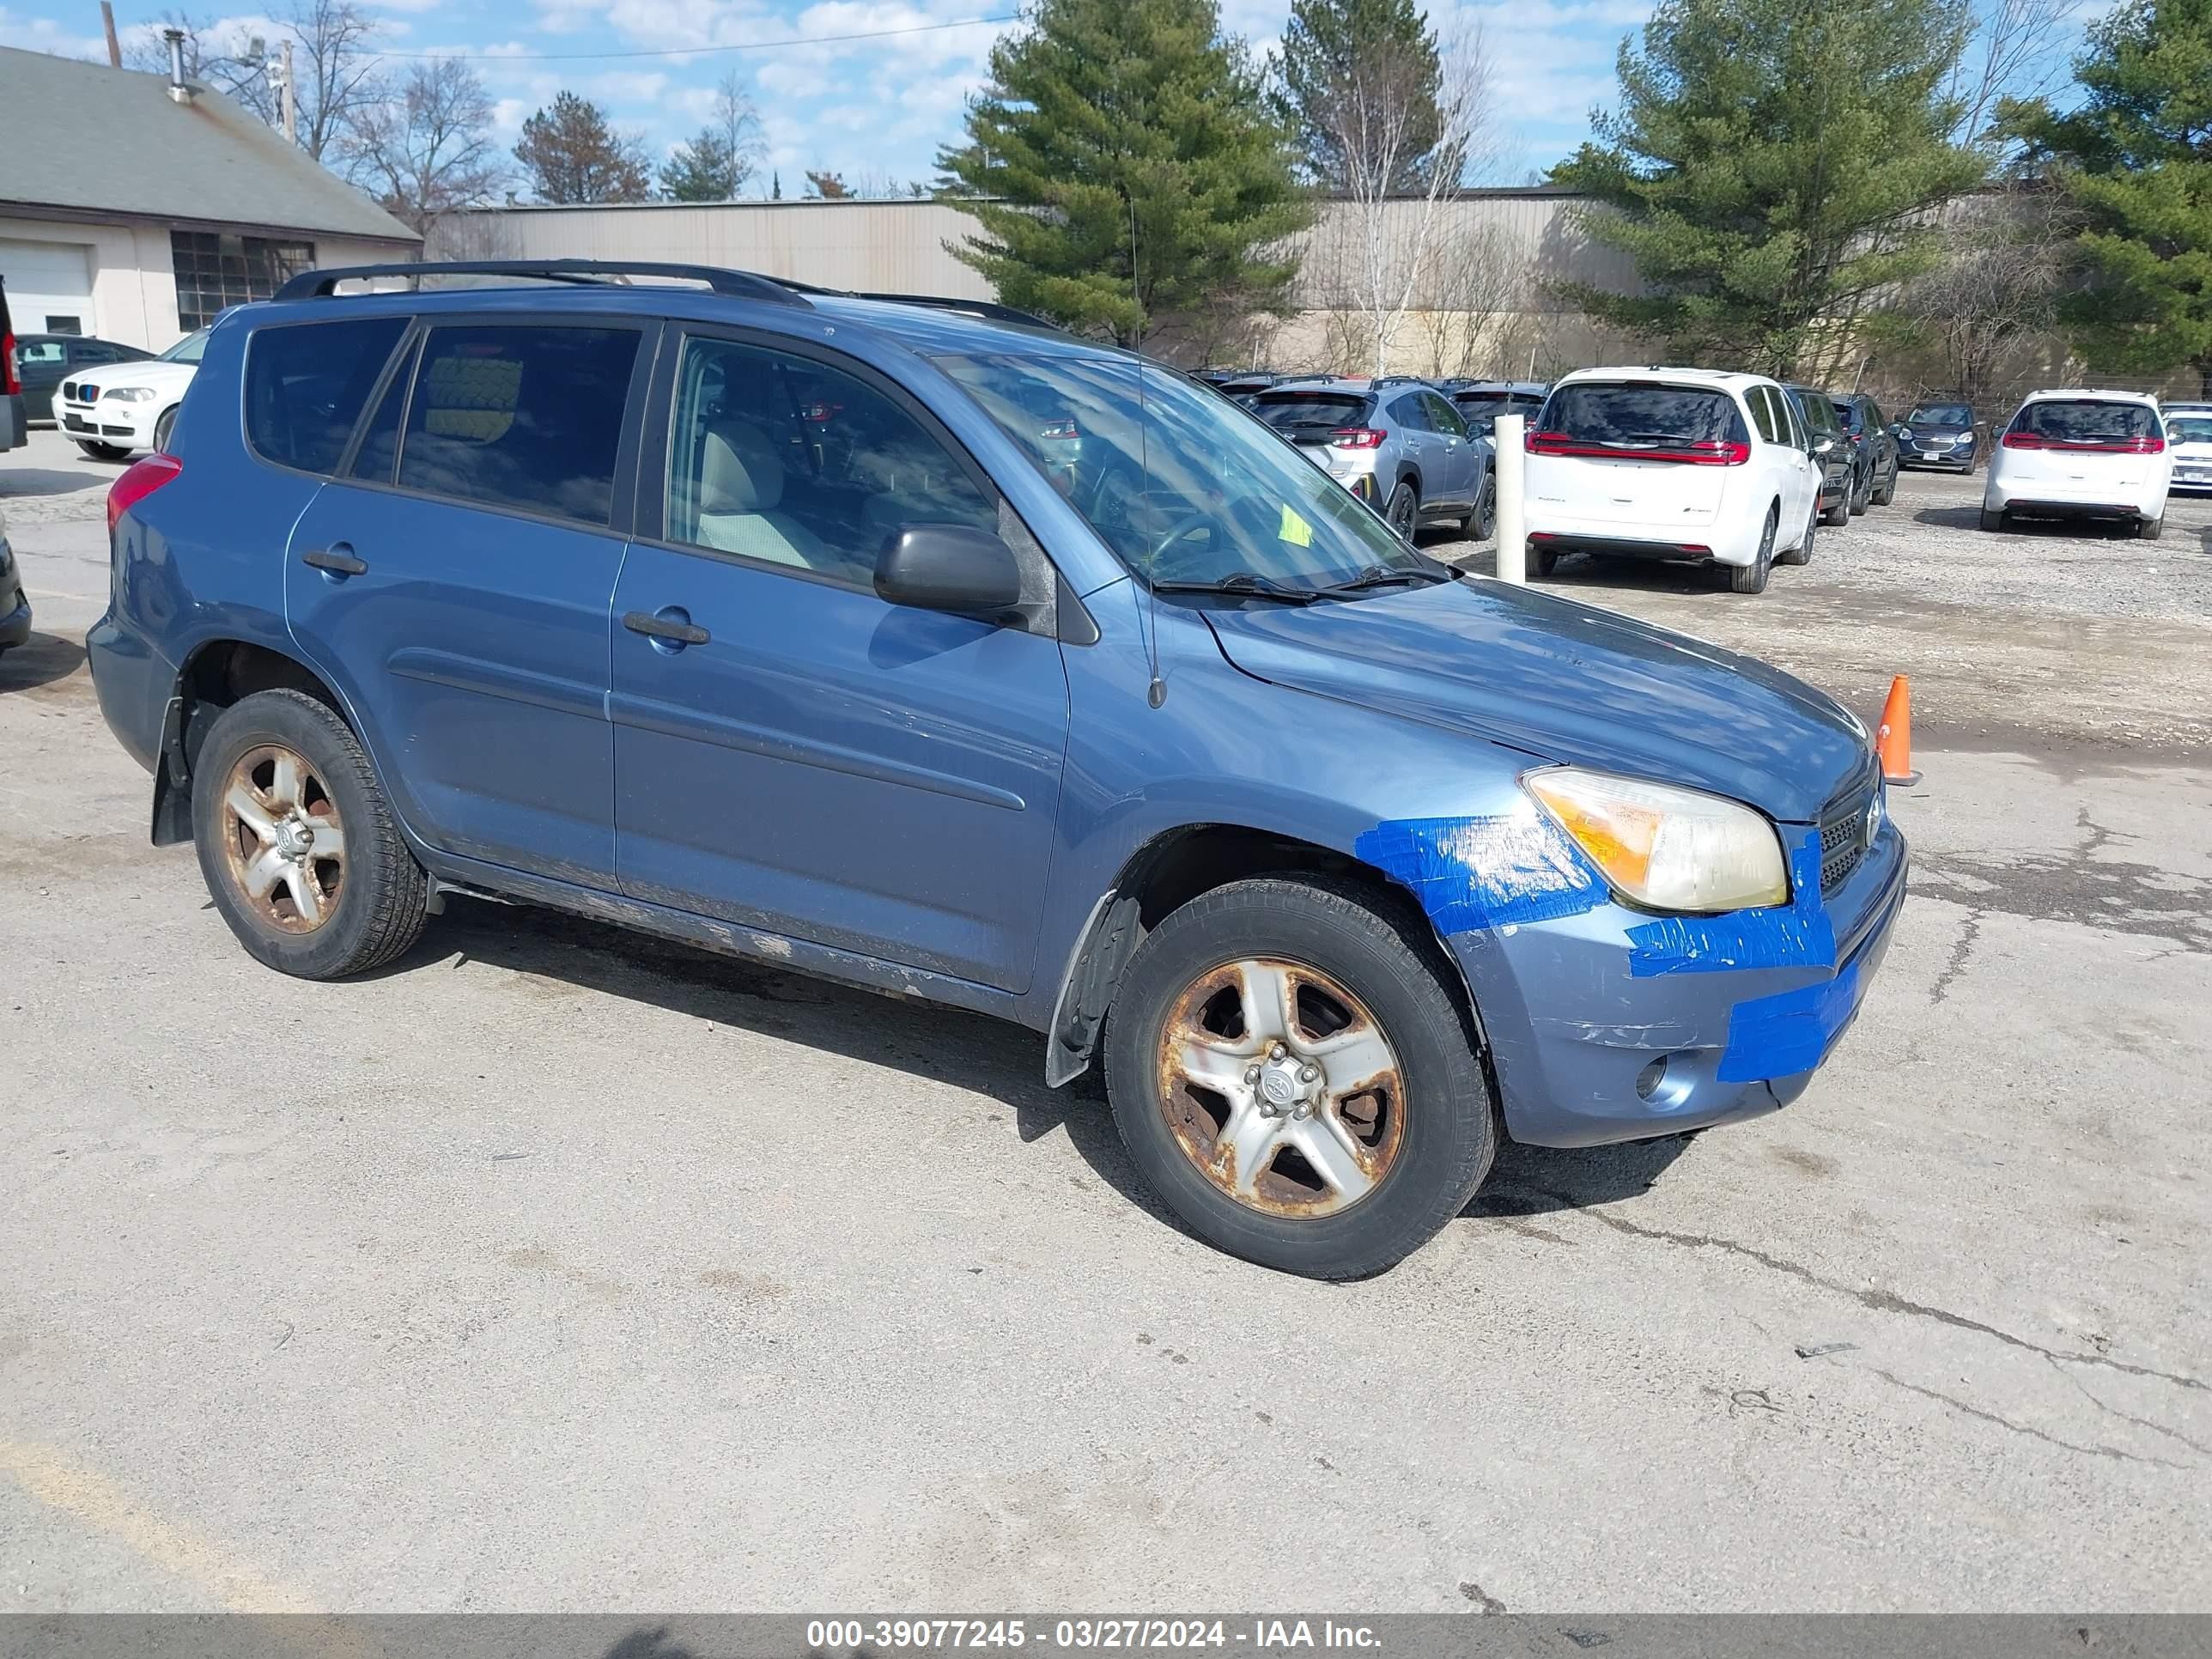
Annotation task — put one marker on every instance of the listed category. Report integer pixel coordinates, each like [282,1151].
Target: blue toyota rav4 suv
[973,662]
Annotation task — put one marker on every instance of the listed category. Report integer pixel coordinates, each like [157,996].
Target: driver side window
[779,460]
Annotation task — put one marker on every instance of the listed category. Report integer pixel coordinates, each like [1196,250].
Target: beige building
[1478,303]
[189,204]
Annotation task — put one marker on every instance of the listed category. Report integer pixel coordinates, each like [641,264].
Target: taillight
[1703,452]
[138,482]
[2117,446]
[1058,429]
[10,383]
[1356,437]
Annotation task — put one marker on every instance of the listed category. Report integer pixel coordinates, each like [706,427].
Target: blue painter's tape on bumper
[1509,871]
[1790,1032]
[1797,934]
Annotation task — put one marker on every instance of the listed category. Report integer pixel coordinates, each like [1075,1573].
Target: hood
[1565,683]
[162,377]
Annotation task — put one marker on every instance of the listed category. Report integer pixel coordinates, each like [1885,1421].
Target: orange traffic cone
[1893,743]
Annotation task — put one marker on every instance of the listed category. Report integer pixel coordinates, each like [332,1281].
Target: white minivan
[2082,454]
[1681,464]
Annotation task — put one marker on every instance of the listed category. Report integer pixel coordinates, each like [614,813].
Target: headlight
[1669,849]
[131,394]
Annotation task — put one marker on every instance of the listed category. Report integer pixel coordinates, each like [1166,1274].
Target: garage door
[49,286]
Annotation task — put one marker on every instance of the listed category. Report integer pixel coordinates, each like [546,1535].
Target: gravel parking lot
[556,1268]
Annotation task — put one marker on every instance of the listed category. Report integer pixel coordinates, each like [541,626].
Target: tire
[101,452]
[372,900]
[1751,578]
[1435,1136]
[1540,562]
[1993,518]
[1887,493]
[162,428]
[1482,523]
[1861,495]
[1840,513]
[1803,553]
[1404,511]
[2150,530]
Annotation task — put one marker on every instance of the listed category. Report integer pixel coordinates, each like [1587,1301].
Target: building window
[216,270]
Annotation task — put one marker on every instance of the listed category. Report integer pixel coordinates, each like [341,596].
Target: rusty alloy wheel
[284,842]
[1281,1088]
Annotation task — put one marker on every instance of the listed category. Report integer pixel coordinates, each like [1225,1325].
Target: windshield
[1182,488]
[2190,429]
[1640,414]
[188,349]
[2086,421]
[1311,411]
[1939,415]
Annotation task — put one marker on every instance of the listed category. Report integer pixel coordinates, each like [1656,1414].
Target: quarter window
[306,386]
[521,417]
[786,460]
[1762,416]
[1408,413]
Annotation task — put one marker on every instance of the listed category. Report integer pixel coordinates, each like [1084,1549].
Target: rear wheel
[1542,562]
[297,843]
[1291,1074]
[1862,492]
[1404,511]
[1840,513]
[1482,523]
[1993,518]
[1803,553]
[1887,493]
[1751,578]
[2150,530]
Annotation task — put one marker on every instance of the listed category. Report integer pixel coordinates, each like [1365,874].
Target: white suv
[2082,454]
[112,410]
[1680,464]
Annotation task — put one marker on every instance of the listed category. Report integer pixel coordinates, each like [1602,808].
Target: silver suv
[1397,444]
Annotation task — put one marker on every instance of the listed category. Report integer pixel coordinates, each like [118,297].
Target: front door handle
[338,558]
[669,623]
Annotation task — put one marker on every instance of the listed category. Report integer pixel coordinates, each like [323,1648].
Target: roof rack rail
[989,309]
[738,284]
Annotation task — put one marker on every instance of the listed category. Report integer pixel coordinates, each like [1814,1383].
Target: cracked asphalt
[558,1269]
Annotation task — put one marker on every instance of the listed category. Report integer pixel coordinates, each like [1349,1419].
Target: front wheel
[1291,1074]
[297,843]
[1404,511]
[162,428]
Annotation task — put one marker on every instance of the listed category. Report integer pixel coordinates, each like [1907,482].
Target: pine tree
[1140,177]
[572,155]
[715,165]
[1326,46]
[1770,170]
[2135,158]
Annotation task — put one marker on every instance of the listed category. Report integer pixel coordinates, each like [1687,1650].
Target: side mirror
[954,567]
[1822,445]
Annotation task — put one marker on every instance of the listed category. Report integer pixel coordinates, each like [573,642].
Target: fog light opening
[1649,1079]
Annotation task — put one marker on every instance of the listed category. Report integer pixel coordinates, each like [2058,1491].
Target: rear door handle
[338,558]
[670,623]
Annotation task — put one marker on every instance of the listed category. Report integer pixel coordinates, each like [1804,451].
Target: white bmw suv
[1680,464]
[118,407]
[2082,454]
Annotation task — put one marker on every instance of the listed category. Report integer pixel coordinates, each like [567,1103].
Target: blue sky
[872,110]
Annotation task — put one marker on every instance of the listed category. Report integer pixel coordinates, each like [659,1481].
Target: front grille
[68,390]
[1843,831]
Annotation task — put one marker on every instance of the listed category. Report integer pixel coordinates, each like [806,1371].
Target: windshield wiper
[1248,582]
[1385,575]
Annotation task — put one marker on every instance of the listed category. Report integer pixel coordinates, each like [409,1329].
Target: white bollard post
[1512,524]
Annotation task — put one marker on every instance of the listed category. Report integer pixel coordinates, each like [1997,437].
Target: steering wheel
[1177,531]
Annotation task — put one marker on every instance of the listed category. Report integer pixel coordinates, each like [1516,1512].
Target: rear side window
[1642,415]
[2086,421]
[306,384]
[521,417]
[1311,411]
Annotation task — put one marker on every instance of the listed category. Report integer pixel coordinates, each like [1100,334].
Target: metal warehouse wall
[900,247]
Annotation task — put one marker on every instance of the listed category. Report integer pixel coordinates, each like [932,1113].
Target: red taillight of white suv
[2085,446]
[1699,452]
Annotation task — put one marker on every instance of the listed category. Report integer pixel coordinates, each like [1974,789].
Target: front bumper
[1956,458]
[14,602]
[1578,1017]
[127,426]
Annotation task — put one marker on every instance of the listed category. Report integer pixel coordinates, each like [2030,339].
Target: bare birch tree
[1476,279]
[2019,49]
[1384,240]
